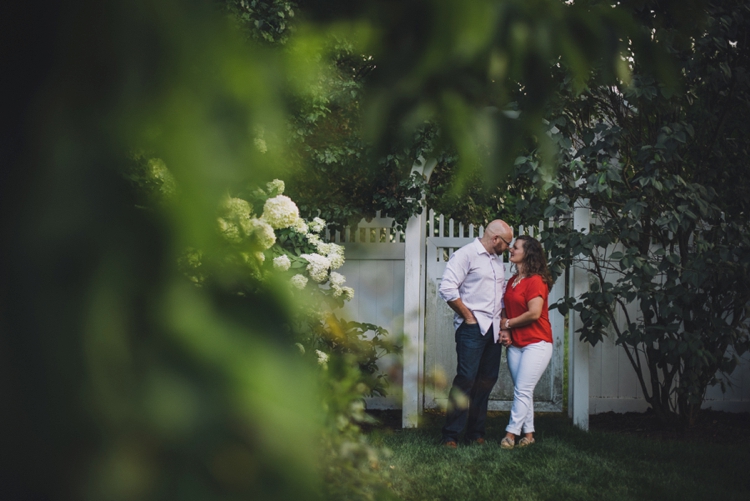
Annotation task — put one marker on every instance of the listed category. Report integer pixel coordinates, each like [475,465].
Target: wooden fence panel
[374,268]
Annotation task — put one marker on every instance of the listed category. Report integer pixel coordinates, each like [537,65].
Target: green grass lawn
[565,463]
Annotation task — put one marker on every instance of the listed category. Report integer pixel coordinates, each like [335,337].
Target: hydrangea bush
[267,243]
[268,240]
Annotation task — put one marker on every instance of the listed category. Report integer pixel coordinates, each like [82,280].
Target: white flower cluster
[262,232]
[317,225]
[333,252]
[300,226]
[282,262]
[236,207]
[234,222]
[336,255]
[337,286]
[313,239]
[299,281]
[253,258]
[275,187]
[322,358]
[337,279]
[317,266]
[237,222]
[280,212]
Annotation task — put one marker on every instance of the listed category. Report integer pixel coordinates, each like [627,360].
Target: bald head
[497,236]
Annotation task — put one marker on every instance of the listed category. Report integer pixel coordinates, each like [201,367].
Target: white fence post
[578,371]
[414,304]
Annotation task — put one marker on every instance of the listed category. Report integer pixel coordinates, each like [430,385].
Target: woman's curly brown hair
[535,259]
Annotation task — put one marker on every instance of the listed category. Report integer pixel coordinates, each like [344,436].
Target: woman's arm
[535,307]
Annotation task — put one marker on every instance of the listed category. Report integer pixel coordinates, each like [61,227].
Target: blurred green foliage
[120,379]
[432,79]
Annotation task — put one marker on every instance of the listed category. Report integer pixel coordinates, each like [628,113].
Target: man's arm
[453,276]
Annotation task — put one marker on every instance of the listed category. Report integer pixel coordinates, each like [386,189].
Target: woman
[527,334]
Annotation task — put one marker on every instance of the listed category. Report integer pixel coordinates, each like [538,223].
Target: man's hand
[459,307]
[505,337]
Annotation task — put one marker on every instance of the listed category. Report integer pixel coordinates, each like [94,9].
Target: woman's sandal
[506,443]
[525,442]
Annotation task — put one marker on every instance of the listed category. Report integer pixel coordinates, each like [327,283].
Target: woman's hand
[505,337]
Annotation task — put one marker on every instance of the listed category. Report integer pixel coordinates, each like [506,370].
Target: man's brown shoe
[451,444]
[478,441]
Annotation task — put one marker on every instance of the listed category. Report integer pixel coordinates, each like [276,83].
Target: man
[473,286]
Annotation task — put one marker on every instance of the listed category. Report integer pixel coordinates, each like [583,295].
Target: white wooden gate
[439,344]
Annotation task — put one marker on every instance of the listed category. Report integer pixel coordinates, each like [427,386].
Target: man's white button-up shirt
[478,278]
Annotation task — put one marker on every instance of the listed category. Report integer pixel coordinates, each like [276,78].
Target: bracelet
[507,323]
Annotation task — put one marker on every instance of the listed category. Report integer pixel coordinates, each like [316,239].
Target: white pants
[526,366]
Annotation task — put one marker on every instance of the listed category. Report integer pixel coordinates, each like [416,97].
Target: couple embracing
[490,314]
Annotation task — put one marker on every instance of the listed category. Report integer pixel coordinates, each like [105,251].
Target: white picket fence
[600,377]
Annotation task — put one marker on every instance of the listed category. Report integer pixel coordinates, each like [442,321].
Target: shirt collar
[480,248]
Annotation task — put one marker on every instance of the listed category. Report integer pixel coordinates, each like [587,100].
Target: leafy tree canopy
[661,166]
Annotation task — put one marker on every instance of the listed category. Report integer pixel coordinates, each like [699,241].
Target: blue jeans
[476,375]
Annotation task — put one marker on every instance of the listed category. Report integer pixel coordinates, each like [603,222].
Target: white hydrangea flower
[275,187]
[336,256]
[348,293]
[300,226]
[260,143]
[299,281]
[236,207]
[336,248]
[322,358]
[248,226]
[337,291]
[323,248]
[235,214]
[261,231]
[317,225]
[337,261]
[229,230]
[280,212]
[337,279]
[282,262]
[253,259]
[313,239]
[317,267]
